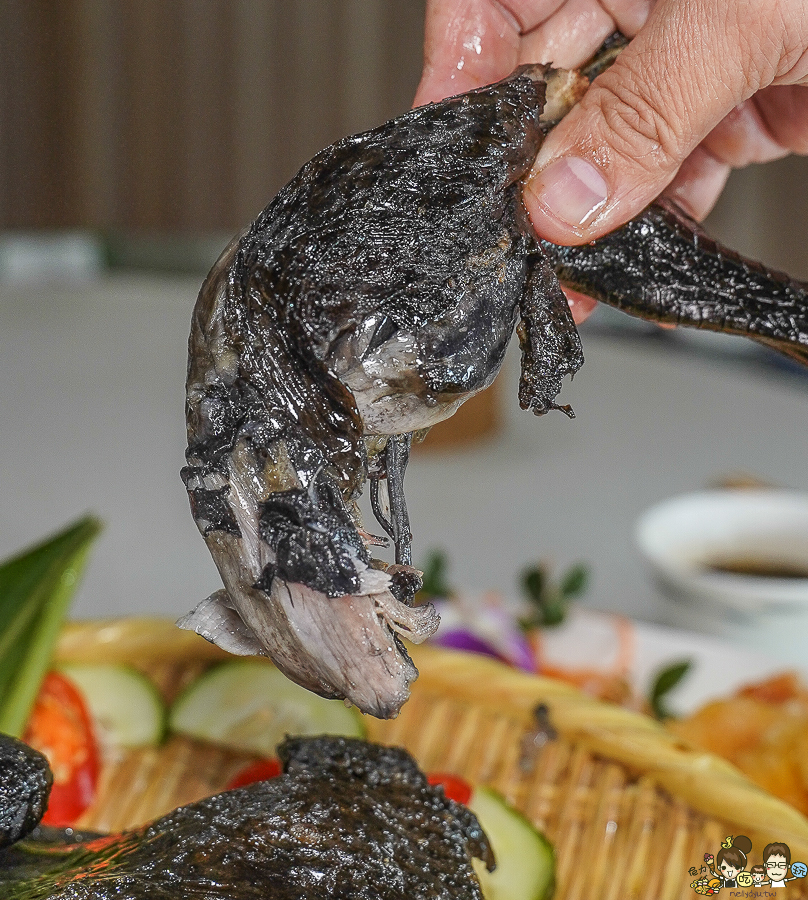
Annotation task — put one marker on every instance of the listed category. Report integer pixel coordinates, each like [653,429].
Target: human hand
[470,43]
[705,86]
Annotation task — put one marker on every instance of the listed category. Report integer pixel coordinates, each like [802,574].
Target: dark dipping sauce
[759,568]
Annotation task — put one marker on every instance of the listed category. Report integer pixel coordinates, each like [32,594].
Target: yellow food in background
[763,730]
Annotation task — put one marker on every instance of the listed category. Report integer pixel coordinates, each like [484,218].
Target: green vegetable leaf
[547,599]
[36,588]
[533,581]
[575,581]
[665,681]
[435,582]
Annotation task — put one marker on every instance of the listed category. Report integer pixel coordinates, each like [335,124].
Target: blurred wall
[188,114]
[764,213]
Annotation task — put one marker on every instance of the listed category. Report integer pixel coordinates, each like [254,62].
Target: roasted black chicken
[376,293]
[347,820]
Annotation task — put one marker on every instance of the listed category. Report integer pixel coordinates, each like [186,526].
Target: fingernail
[570,189]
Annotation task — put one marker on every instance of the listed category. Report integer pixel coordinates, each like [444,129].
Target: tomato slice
[60,727]
[455,787]
[261,770]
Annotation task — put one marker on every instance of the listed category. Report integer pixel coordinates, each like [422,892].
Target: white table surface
[91,419]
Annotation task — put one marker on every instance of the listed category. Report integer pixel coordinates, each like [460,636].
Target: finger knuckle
[643,124]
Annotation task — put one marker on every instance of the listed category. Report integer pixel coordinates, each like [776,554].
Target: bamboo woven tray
[630,810]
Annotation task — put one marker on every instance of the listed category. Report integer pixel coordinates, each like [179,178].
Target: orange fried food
[763,730]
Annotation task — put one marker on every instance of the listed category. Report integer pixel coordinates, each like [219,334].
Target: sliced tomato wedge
[61,728]
[261,770]
[455,787]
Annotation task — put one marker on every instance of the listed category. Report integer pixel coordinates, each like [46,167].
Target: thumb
[624,142]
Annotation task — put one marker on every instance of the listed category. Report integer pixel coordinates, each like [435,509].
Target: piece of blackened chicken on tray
[376,293]
[346,821]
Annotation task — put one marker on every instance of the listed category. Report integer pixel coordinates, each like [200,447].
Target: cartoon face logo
[776,867]
[758,873]
[728,867]
[728,870]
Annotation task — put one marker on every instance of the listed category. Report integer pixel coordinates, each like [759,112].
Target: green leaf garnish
[533,581]
[665,681]
[435,582]
[575,581]
[549,601]
[36,588]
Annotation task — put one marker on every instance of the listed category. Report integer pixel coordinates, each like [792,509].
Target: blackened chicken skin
[663,267]
[347,820]
[376,293]
[25,784]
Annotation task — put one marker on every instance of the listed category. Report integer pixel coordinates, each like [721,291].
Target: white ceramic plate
[593,639]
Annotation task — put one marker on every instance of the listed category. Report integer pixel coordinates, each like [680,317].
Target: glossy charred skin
[663,267]
[347,820]
[414,233]
[25,783]
[376,293]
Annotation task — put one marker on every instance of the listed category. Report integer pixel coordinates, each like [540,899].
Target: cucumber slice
[525,858]
[125,706]
[251,706]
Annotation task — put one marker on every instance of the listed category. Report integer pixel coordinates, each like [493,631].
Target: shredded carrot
[626,644]
[612,686]
[607,683]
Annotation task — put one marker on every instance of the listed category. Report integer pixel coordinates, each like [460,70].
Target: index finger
[470,43]
[467,43]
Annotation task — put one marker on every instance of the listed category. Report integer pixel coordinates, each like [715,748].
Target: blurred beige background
[188,114]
